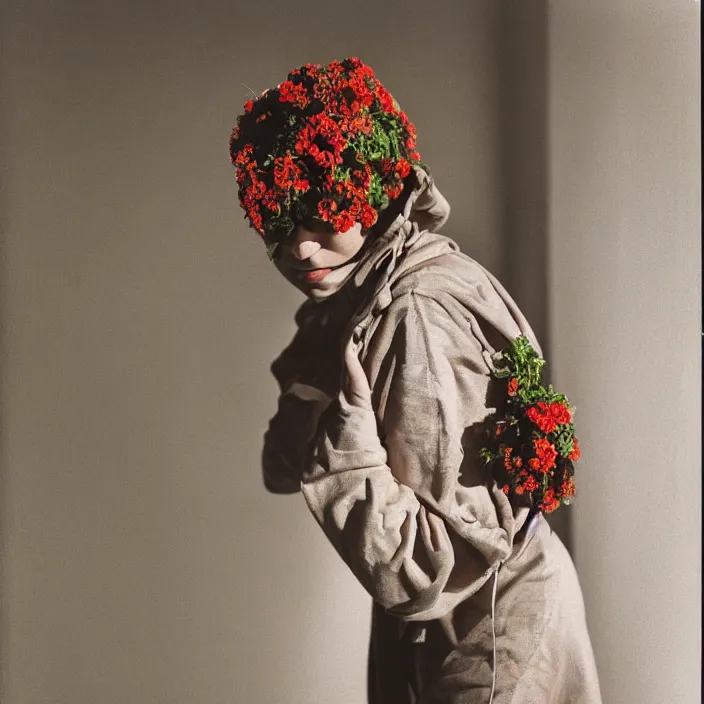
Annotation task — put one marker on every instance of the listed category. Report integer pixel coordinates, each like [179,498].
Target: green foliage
[272,251]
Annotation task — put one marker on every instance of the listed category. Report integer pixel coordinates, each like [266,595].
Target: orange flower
[560,413]
[548,416]
[531,484]
[296,94]
[567,488]
[286,172]
[507,459]
[342,222]
[403,168]
[549,502]
[540,416]
[546,454]
[576,452]
[513,387]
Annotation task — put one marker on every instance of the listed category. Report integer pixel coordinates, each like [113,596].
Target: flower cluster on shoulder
[328,143]
[531,449]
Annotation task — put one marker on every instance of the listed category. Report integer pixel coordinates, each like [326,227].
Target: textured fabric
[400,491]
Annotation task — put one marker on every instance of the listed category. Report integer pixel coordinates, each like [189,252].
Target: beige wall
[625,209]
[142,561]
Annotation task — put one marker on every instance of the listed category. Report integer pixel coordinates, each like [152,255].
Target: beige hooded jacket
[473,603]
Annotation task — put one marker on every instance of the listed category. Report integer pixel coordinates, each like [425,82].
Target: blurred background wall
[142,560]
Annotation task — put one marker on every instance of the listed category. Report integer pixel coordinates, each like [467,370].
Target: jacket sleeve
[417,522]
[303,372]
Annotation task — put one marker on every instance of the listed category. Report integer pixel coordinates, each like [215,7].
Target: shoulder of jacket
[449,275]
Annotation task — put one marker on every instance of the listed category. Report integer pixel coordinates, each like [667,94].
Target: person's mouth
[313,275]
[318,273]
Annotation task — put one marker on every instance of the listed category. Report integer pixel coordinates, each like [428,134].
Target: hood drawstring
[493,632]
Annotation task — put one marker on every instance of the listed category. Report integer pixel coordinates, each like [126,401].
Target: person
[389,391]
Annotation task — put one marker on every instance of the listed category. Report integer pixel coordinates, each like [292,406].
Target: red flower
[545,453]
[560,413]
[304,140]
[368,217]
[507,459]
[505,489]
[327,208]
[394,191]
[513,387]
[256,219]
[576,452]
[403,168]
[549,502]
[249,104]
[386,166]
[286,173]
[270,202]
[540,416]
[531,484]
[548,416]
[326,160]
[385,100]
[567,488]
[243,156]
[342,222]
[295,94]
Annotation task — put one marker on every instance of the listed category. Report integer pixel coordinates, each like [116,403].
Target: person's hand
[355,387]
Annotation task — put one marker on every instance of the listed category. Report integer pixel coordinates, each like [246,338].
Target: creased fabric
[400,490]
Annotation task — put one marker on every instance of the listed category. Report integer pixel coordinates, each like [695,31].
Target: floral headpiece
[329,143]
